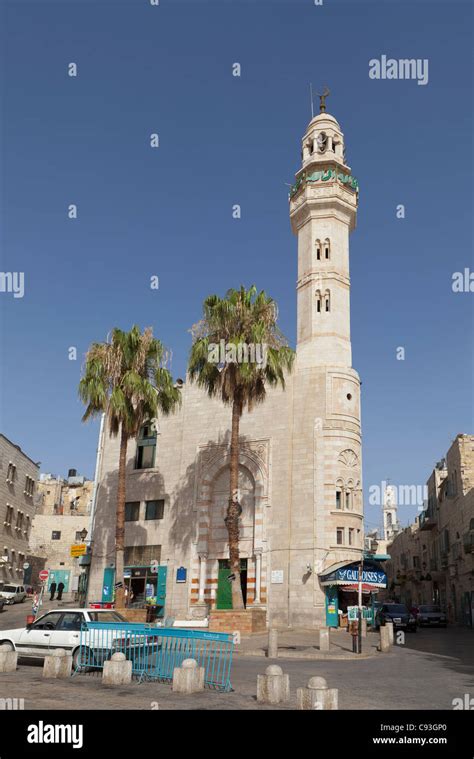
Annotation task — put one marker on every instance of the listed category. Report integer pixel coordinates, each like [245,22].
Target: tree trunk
[120,522]
[233,509]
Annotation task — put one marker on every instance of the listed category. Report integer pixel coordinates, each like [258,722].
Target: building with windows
[432,561]
[18,478]
[300,478]
[60,527]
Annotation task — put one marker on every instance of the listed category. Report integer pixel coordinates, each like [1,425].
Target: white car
[58,629]
[13,594]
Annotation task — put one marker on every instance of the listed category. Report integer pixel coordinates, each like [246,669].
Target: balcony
[427,521]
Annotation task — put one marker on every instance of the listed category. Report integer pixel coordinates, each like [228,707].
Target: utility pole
[359,627]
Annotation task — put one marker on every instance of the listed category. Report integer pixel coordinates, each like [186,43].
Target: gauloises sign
[369,576]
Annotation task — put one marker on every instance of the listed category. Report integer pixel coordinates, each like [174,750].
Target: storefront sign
[351,575]
[181,574]
[277,576]
[78,549]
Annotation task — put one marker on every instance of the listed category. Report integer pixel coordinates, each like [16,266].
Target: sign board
[370,577]
[26,565]
[43,575]
[277,576]
[181,574]
[78,549]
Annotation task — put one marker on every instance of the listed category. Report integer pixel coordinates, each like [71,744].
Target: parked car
[13,594]
[431,616]
[398,614]
[61,628]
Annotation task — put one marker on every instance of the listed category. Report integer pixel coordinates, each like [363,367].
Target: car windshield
[105,616]
[9,589]
[429,609]
[396,609]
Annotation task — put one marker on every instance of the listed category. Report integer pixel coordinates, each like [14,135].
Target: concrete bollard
[8,659]
[273,687]
[384,644]
[117,670]
[189,678]
[363,628]
[317,696]
[324,640]
[58,665]
[389,626]
[272,652]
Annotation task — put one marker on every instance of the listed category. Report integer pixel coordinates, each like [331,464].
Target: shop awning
[366,588]
[347,573]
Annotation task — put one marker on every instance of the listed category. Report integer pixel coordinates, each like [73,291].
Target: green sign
[324,176]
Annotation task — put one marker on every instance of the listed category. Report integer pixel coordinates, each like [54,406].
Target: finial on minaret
[322,99]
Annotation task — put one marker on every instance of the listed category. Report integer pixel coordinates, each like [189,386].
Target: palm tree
[242,325]
[126,379]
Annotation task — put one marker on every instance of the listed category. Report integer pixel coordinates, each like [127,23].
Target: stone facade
[432,561]
[63,512]
[300,453]
[18,478]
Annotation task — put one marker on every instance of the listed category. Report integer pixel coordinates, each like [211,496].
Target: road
[434,667]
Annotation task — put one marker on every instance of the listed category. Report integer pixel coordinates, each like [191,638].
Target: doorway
[224,586]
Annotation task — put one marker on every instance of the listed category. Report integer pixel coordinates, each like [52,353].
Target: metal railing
[156,651]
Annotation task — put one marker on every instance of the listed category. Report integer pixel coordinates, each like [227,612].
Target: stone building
[432,561]
[300,475]
[62,520]
[18,477]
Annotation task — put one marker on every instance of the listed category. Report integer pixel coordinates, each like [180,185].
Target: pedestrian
[60,590]
[52,589]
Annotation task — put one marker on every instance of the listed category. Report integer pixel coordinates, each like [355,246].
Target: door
[332,607]
[57,576]
[224,588]
[36,639]
[108,585]
[67,632]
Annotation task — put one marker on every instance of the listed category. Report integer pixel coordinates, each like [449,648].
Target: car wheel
[7,643]
[78,656]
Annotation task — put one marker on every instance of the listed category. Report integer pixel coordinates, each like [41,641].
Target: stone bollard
[58,665]
[8,659]
[363,628]
[317,696]
[273,687]
[117,670]
[324,641]
[384,644]
[272,652]
[189,678]
[389,626]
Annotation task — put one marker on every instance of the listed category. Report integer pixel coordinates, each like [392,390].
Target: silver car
[13,594]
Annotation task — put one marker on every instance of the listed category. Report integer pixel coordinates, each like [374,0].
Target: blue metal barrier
[156,651]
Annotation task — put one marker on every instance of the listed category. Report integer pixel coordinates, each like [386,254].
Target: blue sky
[227,140]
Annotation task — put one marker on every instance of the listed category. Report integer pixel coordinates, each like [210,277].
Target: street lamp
[83,534]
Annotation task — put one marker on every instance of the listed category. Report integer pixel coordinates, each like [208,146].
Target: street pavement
[432,668]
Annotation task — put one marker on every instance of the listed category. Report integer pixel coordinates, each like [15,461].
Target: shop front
[145,588]
[341,584]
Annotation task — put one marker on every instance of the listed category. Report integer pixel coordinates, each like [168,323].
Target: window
[146,448]
[11,473]
[327,300]
[340,536]
[78,535]
[142,556]
[56,535]
[154,509]
[348,499]
[48,622]
[416,562]
[318,301]
[338,499]
[351,536]
[132,511]
[9,516]
[318,250]
[29,486]
[70,621]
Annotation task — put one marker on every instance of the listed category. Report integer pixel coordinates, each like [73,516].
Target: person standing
[52,589]
[60,590]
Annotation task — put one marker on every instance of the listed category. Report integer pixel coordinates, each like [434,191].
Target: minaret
[323,205]
[326,507]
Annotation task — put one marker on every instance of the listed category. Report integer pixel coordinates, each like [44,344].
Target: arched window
[318,250]
[318,301]
[327,301]
[326,249]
